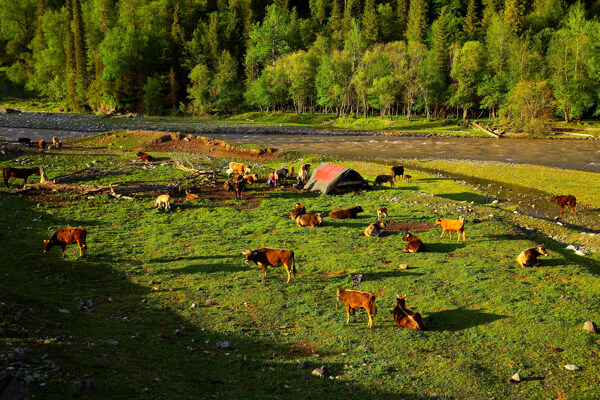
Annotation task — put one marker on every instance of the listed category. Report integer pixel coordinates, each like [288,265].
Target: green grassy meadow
[160,292]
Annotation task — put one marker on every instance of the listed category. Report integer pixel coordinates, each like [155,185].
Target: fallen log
[484,129]
[61,188]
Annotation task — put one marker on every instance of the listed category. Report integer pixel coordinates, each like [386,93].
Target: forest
[526,61]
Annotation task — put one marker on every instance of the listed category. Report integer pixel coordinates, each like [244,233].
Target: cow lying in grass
[382,213]
[407,318]
[265,257]
[452,225]
[20,173]
[65,236]
[250,179]
[349,213]
[375,229]
[528,257]
[355,300]
[145,156]
[191,196]
[163,201]
[563,201]
[414,245]
[298,210]
[311,220]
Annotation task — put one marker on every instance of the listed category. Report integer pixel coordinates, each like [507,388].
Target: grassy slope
[152,272]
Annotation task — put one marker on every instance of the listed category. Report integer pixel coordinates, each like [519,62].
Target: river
[582,155]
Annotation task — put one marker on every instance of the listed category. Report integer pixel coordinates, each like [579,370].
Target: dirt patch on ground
[215,148]
[301,349]
[412,227]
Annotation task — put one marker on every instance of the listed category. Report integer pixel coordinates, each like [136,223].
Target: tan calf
[163,201]
[375,229]
[355,300]
[312,220]
[452,225]
[528,257]
[414,245]
[382,213]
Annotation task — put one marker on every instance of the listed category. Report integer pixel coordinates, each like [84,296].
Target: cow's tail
[293,264]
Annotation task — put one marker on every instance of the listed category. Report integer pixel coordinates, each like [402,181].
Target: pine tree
[38,42]
[370,23]
[402,14]
[470,25]
[513,15]
[212,38]
[417,20]
[79,45]
[70,53]
[335,24]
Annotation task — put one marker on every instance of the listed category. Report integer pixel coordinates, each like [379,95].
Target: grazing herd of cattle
[265,257]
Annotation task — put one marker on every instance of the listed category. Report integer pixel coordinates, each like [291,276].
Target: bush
[530,107]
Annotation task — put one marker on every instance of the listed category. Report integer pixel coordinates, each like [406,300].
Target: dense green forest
[526,60]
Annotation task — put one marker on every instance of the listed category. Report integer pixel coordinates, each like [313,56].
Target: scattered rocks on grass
[516,377]
[403,266]
[320,372]
[580,253]
[572,367]
[589,326]
[358,279]
[113,342]
[223,345]
[571,247]
[63,311]
[85,386]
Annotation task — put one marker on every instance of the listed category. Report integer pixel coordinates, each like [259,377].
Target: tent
[335,178]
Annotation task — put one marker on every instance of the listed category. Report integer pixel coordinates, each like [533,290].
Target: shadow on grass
[465,196]
[459,319]
[391,274]
[175,258]
[443,247]
[206,268]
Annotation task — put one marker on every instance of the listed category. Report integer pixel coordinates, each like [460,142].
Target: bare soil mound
[177,142]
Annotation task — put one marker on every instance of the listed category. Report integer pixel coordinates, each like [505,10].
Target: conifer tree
[470,25]
[417,20]
[70,53]
[370,23]
[334,24]
[212,38]
[79,46]
[513,15]
[402,13]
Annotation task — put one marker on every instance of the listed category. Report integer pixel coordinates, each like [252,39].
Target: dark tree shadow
[459,319]
[474,197]
[171,259]
[443,247]
[207,268]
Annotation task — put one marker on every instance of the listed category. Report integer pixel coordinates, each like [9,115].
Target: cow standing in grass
[265,257]
[20,173]
[356,300]
[563,201]
[65,236]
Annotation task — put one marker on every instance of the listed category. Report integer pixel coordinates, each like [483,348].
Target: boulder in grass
[516,377]
[589,326]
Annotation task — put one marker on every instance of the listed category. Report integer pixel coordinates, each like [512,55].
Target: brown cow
[375,229]
[355,300]
[237,168]
[312,220]
[238,187]
[397,171]
[414,245]
[382,213]
[281,174]
[406,178]
[407,318]
[452,225]
[19,173]
[563,201]
[298,210]
[349,213]
[42,145]
[250,179]
[145,156]
[265,257]
[191,196]
[384,178]
[528,257]
[65,236]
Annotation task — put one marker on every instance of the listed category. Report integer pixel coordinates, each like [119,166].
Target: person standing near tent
[271,181]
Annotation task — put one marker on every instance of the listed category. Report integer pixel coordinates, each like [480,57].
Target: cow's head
[358,208]
[339,292]
[438,221]
[381,225]
[47,245]
[401,300]
[406,236]
[542,250]
[249,255]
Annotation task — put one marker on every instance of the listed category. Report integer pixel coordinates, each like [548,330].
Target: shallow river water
[583,155]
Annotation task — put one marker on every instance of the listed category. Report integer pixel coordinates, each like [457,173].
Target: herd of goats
[264,257]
